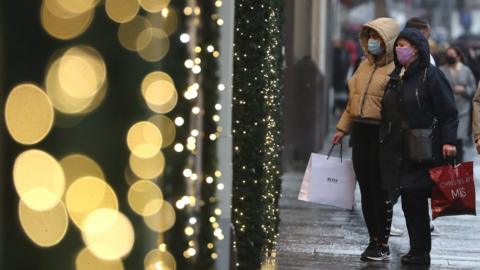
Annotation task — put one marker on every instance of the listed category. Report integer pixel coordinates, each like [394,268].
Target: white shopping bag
[329,181]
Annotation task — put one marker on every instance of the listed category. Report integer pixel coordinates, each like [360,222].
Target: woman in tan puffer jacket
[362,118]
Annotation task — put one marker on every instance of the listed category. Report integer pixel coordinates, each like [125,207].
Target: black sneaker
[379,253]
[370,248]
[416,259]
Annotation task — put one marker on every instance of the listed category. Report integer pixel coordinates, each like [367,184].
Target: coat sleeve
[444,107]
[345,122]
[476,115]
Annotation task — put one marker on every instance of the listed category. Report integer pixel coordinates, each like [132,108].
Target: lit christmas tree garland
[257,103]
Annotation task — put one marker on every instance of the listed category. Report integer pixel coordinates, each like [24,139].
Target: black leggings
[376,207]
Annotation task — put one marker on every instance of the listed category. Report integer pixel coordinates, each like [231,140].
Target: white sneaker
[395,231]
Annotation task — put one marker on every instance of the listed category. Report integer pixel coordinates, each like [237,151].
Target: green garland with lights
[208,35]
[174,183]
[257,114]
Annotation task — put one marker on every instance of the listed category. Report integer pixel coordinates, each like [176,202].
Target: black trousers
[415,208]
[459,146]
[376,208]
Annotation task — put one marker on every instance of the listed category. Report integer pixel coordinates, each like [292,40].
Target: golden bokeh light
[147,168]
[76,80]
[163,220]
[56,8]
[38,179]
[108,234]
[60,99]
[154,5]
[154,77]
[129,32]
[78,6]
[45,228]
[82,72]
[165,107]
[145,198]
[144,139]
[166,127]
[86,195]
[167,20]
[29,114]
[158,46]
[87,261]
[160,260]
[76,166]
[66,25]
[122,11]
[159,93]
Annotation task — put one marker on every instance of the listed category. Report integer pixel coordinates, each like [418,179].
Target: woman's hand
[449,150]
[337,137]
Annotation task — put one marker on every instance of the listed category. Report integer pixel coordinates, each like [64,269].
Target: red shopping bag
[454,190]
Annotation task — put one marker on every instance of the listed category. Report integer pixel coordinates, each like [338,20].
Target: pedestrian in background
[462,82]
[362,118]
[417,97]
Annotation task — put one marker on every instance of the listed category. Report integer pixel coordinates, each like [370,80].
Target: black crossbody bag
[419,142]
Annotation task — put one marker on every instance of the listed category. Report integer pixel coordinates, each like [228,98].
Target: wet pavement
[321,237]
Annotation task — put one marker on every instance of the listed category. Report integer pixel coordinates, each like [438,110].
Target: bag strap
[331,149]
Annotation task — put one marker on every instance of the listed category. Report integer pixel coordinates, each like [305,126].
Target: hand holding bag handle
[341,151]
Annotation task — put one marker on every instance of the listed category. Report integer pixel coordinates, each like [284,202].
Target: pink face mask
[404,54]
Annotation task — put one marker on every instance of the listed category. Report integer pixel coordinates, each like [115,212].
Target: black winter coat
[420,96]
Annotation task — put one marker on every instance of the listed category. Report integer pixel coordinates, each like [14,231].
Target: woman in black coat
[418,96]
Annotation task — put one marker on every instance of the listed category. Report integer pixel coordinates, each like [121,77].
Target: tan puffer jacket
[368,82]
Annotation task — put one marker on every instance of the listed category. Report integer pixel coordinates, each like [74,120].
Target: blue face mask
[375,46]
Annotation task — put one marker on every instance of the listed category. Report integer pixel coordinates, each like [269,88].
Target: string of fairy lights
[146,32]
[257,103]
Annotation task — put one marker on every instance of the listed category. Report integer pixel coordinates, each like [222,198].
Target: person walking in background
[362,118]
[417,97]
[423,26]
[462,81]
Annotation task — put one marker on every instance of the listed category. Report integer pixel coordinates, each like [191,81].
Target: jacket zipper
[366,90]
[418,99]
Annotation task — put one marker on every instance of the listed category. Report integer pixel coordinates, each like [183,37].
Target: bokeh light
[163,220]
[144,139]
[166,127]
[154,5]
[65,24]
[167,20]
[76,80]
[86,260]
[160,260]
[159,93]
[38,179]
[76,166]
[82,72]
[147,168]
[145,198]
[29,114]
[86,195]
[45,228]
[78,6]
[156,48]
[129,32]
[108,234]
[122,11]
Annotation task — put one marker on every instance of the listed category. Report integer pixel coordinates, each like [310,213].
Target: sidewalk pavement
[321,237]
